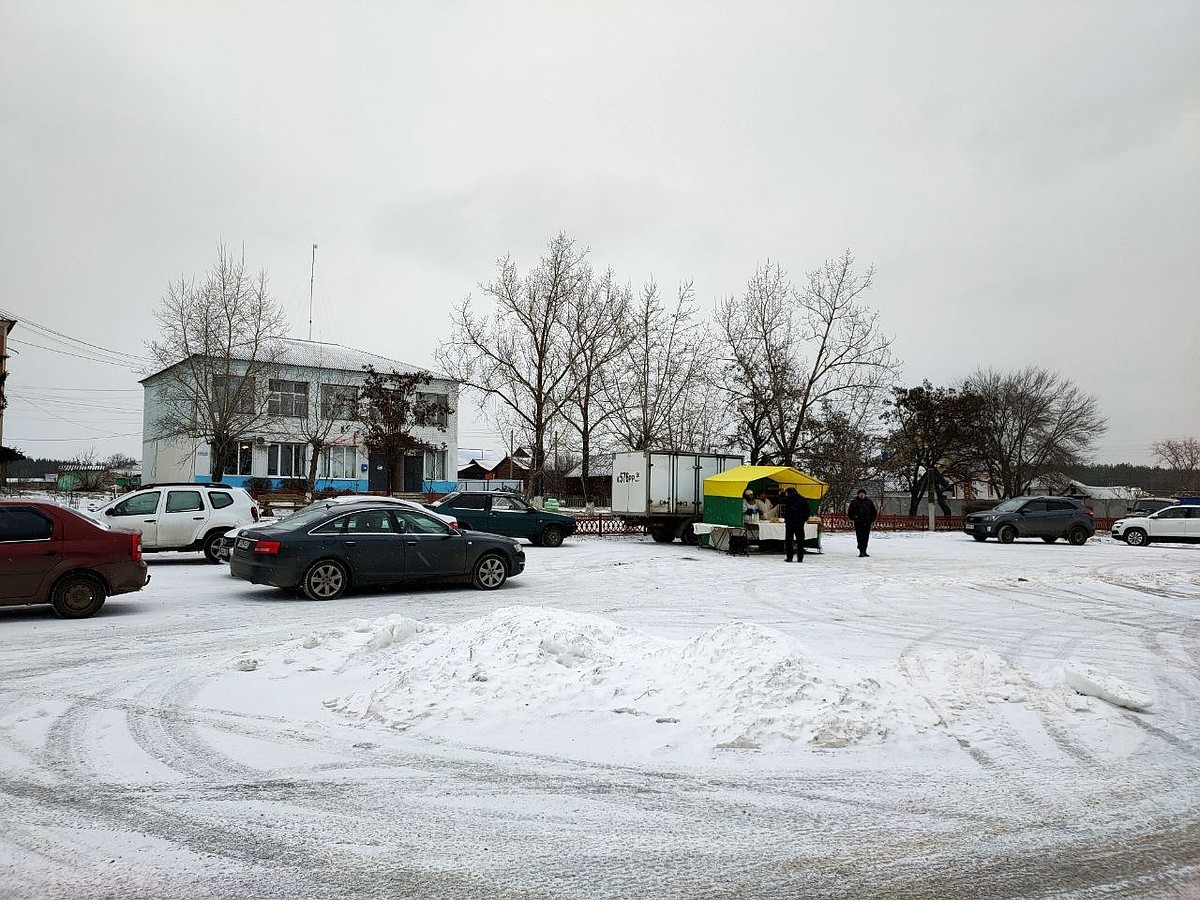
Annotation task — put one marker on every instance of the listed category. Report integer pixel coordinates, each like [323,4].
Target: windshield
[310,515]
[1010,505]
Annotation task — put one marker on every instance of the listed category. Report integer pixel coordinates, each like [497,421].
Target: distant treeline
[1155,479]
[34,468]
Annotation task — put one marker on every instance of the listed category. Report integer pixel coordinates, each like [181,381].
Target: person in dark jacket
[795,514]
[862,513]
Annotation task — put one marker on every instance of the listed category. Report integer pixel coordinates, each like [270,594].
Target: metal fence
[607,524]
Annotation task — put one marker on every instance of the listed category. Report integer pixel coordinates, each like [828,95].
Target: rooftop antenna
[311,273]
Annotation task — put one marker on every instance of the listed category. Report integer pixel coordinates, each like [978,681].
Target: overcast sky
[1024,177]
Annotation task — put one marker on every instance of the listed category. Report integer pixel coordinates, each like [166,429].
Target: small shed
[723,492]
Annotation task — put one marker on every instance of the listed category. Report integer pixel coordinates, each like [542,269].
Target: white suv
[182,516]
[1179,523]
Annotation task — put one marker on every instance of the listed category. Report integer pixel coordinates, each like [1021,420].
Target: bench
[273,502]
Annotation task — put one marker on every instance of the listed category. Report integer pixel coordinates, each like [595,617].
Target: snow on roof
[1106,493]
[600,465]
[318,354]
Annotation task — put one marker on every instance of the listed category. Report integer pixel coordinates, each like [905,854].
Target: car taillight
[136,549]
[1090,514]
[254,511]
[267,548]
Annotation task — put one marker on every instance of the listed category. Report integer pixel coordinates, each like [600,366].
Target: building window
[435,465]
[245,458]
[339,462]
[441,417]
[288,398]
[339,402]
[287,460]
[235,392]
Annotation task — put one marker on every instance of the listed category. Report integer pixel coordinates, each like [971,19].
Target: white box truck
[664,489]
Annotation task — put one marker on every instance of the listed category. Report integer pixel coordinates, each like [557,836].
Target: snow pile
[549,680]
[958,682]
[1093,683]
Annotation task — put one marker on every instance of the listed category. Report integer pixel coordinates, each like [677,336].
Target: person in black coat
[862,513]
[795,514]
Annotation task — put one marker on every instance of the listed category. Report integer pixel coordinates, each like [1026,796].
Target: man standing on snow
[795,514]
[862,513]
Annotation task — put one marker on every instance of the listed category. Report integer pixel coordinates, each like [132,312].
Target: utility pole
[930,475]
[6,326]
[311,273]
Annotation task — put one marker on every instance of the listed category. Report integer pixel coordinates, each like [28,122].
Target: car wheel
[1077,536]
[325,580]
[490,572]
[1050,540]
[77,596]
[552,537]
[1007,534]
[212,545]
[980,537]
[1135,537]
[663,535]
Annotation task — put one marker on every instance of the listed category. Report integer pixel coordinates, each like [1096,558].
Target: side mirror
[530,509]
[110,512]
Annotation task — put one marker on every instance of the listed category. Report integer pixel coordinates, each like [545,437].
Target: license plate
[245,543]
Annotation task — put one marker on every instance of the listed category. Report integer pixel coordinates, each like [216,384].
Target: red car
[52,554]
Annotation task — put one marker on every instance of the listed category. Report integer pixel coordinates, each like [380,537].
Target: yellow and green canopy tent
[723,492]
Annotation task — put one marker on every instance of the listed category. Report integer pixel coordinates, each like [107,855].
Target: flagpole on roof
[311,273]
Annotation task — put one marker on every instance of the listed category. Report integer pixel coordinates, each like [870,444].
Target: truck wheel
[688,535]
[663,534]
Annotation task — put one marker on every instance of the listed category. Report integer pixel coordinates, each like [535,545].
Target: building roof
[601,465]
[317,354]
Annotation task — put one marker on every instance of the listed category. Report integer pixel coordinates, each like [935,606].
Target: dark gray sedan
[325,549]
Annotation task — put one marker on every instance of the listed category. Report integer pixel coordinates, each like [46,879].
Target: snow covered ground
[626,719]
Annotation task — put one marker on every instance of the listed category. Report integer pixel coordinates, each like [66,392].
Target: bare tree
[89,471]
[660,397]
[1032,422]
[1182,455]
[596,325]
[840,453]
[520,357]
[790,353]
[330,409]
[219,342]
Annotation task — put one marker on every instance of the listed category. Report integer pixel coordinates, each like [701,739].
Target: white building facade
[311,382]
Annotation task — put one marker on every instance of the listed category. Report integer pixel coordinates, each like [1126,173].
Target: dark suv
[1048,518]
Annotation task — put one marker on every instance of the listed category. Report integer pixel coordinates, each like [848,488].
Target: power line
[36,326]
[107,362]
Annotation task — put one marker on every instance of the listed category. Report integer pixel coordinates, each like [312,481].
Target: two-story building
[310,387]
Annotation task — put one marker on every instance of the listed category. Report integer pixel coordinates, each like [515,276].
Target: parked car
[1146,505]
[499,512]
[52,554]
[1048,518]
[182,516]
[325,549]
[1179,524]
[225,545]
